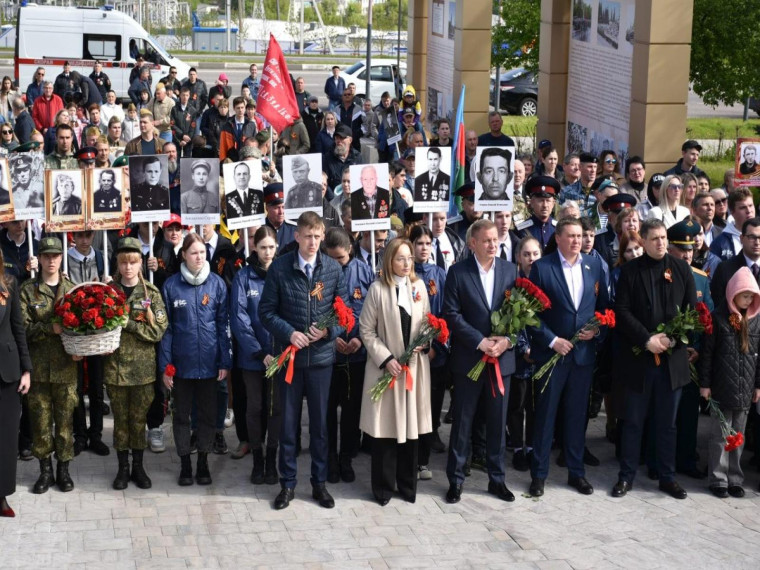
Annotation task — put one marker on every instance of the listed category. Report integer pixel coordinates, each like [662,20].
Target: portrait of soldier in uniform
[495,174]
[243,200]
[107,197]
[65,199]
[197,195]
[304,193]
[26,193]
[151,191]
[370,201]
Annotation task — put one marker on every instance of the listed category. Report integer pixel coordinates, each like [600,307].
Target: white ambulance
[48,36]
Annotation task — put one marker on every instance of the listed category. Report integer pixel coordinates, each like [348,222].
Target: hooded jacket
[254,342]
[731,374]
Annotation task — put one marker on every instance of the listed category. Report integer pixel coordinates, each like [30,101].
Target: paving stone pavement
[232,523]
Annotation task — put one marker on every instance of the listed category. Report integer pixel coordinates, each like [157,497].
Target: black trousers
[263,409]
[157,410]
[520,414]
[239,403]
[96,394]
[345,392]
[10,412]
[686,428]
[394,465]
[25,428]
[204,393]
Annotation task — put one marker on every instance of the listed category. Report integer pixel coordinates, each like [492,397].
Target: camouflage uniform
[55,161]
[53,393]
[131,370]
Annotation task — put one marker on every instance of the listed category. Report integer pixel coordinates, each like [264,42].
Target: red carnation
[99,322]
[110,313]
[170,370]
[109,301]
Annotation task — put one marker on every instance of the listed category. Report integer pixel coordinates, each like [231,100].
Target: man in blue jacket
[299,290]
[576,286]
[334,88]
[475,288]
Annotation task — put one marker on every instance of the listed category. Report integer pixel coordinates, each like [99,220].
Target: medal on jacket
[668,275]
[357,293]
[596,288]
[205,300]
[220,266]
[432,289]
[318,290]
[3,297]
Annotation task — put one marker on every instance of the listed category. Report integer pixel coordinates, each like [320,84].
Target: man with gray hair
[304,193]
[24,122]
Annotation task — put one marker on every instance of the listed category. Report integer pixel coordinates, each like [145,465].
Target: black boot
[63,478]
[202,474]
[46,479]
[346,469]
[257,475]
[271,476]
[333,468]
[186,472]
[139,476]
[122,476]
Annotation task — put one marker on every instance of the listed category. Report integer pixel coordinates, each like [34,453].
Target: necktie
[503,253]
[239,129]
[440,261]
[369,259]
[307,269]
[432,181]
[756,270]
[208,252]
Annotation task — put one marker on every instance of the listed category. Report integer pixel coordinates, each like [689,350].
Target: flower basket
[92,315]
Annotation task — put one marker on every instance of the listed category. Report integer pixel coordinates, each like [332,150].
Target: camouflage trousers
[130,406]
[48,404]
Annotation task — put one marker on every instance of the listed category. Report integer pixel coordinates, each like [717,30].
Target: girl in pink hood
[728,372]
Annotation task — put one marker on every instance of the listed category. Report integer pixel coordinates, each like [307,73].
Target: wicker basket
[91,344]
[94,342]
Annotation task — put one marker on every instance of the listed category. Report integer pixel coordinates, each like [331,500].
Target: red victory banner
[276,101]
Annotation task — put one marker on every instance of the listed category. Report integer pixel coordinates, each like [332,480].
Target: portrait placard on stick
[302,183]
[243,194]
[199,202]
[6,199]
[494,172]
[28,184]
[105,202]
[370,201]
[747,168]
[432,182]
[149,187]
[64,197]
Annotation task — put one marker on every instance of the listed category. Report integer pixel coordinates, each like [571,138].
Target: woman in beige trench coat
[395,308]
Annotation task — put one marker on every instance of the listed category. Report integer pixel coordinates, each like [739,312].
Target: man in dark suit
[749,256]
[243,201]
[650,291]
[576,286]
[370,202]
[432,185]
[475,288]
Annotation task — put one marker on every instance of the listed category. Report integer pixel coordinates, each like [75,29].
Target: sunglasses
[721,201]
[610,160]
[6,132]
[676,186]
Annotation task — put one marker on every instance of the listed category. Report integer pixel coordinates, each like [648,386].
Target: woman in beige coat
[395,308]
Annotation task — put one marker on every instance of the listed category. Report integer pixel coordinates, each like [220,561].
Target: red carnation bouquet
[432,328]
[93,308]
[734,439]
[519,309]
[340,315]
[605,319]
[690,321]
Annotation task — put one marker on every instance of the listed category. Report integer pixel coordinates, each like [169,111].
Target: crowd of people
[207,321]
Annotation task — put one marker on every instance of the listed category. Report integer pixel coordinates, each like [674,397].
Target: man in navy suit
[475,288]
[576,286]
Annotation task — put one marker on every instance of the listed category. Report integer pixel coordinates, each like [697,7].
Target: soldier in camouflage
[131,370]
[63,156]
[53,394]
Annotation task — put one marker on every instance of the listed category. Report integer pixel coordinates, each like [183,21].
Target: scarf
[402,290]
[198,279]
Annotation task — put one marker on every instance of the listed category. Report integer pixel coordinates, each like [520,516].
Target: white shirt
[505,246]
[212,243]
[574,278]
[749,262]
[487,280]
[302,263]
[444,243]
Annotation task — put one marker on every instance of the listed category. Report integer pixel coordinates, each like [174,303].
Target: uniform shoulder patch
[699,272]
[160,316]
[525,224]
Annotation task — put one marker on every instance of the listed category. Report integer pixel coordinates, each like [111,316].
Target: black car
[519,92]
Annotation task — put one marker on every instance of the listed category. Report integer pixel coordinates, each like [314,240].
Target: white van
[48,36]
[384,76]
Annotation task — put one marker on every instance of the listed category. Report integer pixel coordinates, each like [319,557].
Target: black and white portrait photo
[64,207]
[105,205]
[493,178]
[370,199]
[28,184]
[149,187]
[432,183]
[199,200]
[302,182]
[243,194]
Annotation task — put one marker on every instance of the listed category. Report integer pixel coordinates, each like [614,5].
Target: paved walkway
[232,524]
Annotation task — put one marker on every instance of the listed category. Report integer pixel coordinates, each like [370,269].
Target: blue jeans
[165,136]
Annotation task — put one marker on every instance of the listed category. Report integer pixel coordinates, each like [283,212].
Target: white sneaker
[156,440]
[423,473]
[229,418]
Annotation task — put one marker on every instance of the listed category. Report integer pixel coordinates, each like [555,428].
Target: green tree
[515,42]
[385,15]
[724,47]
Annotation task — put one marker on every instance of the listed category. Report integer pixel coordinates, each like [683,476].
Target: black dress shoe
[536,487]
[590,459]
[501,491]
[673,489]
[454,493]
[98,447]
[79,446]
[652,474]
[621,488]
[322,496]
[736,491]
[720,492]
[581,484]
[520,461]
[382,501]
[283,499]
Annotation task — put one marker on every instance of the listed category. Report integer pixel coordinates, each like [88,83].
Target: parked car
[384,76]
[518,92]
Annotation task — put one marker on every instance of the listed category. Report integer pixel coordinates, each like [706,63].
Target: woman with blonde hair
[395,308]
[130,371]
[671,208]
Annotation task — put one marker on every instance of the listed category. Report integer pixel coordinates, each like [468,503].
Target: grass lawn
[715,170]
[698,128]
